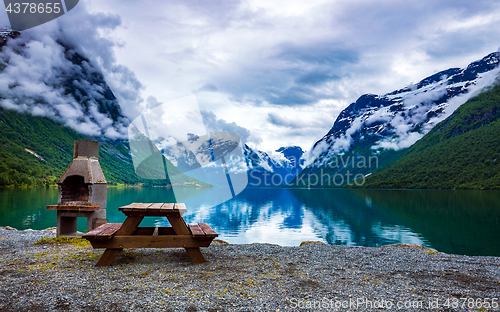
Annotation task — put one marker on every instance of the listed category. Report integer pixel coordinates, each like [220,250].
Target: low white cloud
[44,74]
[403,140]
[381,115]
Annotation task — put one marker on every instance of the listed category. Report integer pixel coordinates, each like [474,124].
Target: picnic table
[116,236]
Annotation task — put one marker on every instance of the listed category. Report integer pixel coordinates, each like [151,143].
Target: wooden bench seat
[104,231]
[202,230]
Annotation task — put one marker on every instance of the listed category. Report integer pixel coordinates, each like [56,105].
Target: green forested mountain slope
[461,152]
[54,143]
[41,135]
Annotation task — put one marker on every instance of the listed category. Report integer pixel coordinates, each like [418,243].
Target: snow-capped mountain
[276,169]
[198,151]
[204,157]
[291,155]
[384,125]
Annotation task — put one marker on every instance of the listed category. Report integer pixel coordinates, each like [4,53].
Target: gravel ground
[253,277]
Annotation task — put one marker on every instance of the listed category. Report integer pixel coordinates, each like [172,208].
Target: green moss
[80,242]
[41,255]
[41,267]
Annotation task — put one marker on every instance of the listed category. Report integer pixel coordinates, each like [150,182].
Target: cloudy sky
[276,72]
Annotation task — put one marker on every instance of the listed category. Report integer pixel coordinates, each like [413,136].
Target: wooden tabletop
[153,208]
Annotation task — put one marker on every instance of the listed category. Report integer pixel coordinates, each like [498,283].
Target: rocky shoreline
[252,277]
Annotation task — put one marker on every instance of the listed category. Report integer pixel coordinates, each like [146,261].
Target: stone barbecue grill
[82,190]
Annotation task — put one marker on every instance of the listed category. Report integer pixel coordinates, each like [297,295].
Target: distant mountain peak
[273,169]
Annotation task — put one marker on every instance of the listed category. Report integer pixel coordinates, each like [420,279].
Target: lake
[457,222]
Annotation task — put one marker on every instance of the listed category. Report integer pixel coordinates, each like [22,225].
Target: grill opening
[74,191]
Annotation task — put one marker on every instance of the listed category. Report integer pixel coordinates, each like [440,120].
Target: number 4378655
[33,8]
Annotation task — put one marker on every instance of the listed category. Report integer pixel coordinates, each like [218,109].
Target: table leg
[195,255]
[108,257]
[128,228]
[178,224]
[180,228]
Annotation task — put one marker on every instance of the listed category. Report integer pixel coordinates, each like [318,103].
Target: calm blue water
[460,222]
